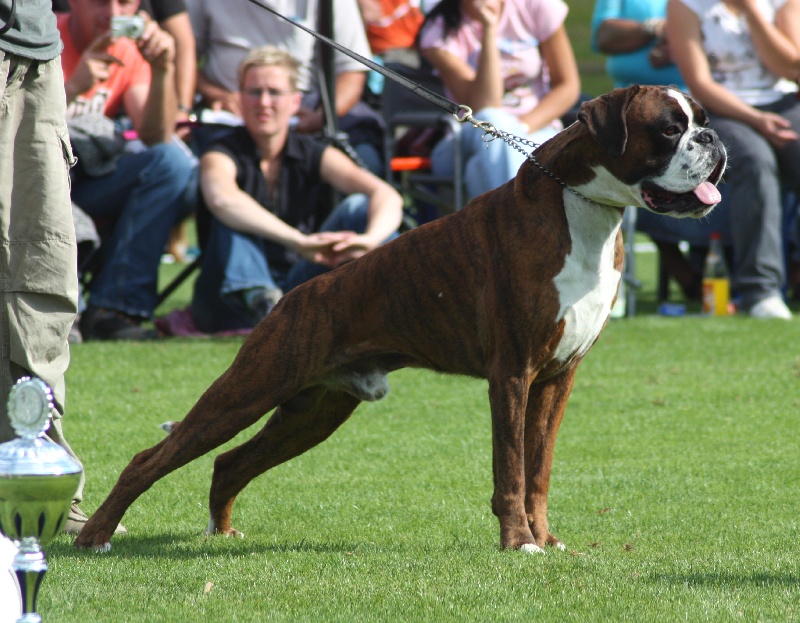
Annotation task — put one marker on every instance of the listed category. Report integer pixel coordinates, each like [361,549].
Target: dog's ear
[604,116]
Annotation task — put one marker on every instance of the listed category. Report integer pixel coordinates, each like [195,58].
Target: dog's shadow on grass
[762,579]
[179,547]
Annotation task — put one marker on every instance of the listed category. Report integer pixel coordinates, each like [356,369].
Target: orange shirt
[106,96]
[397,28]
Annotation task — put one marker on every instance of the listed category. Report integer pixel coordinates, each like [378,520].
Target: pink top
[524,24]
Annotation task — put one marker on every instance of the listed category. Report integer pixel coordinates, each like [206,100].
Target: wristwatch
[653,26]
[189,112]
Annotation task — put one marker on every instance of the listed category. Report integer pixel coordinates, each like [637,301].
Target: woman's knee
[752,166]
[350,214]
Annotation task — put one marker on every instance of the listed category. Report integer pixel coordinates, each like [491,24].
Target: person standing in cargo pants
[38,253]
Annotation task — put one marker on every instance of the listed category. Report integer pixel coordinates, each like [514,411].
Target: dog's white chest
[588,281]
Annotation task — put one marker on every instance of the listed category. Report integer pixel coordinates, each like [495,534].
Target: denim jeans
[144,198]
[487,164]
[233,262]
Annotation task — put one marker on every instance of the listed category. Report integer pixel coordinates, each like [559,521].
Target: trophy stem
[29,566]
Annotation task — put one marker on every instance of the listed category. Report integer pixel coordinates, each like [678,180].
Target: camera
[130,26]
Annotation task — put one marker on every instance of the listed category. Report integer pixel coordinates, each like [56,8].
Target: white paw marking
[531,548]
[561,546]
[210,530]
[102,549]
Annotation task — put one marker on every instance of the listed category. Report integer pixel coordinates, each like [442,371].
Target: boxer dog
[514,288]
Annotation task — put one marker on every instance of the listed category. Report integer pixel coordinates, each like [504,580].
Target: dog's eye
[672,130]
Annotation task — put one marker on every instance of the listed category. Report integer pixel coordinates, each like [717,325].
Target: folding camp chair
[409,167]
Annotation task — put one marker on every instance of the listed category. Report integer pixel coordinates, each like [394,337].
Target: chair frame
[412,175]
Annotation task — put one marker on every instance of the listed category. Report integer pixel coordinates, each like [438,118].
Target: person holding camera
[133,190]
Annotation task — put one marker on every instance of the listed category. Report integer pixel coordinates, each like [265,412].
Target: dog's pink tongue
[708,193]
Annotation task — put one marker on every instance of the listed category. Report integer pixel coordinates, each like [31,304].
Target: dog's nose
[705,137]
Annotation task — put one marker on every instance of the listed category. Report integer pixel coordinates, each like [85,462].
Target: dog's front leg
[508,397]
[546,404]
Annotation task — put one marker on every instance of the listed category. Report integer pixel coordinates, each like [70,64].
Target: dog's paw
[212,530]
[554,542]
[531,548]
[231,532]
[87,543]
[102,549]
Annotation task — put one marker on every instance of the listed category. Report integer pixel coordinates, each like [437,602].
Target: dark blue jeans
[233,262]
[143,198]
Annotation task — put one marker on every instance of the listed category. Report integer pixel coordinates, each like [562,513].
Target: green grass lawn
[675,487]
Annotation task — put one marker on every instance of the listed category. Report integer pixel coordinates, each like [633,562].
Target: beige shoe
[77,519]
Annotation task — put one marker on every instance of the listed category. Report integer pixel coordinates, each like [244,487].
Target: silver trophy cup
[38,480]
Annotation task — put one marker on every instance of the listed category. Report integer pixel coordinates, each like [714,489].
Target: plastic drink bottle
[716,280]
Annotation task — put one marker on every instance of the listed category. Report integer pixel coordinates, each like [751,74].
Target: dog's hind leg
[200,432]
[546,404]
[295,427]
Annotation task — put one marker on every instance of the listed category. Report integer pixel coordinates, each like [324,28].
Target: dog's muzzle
[699,201]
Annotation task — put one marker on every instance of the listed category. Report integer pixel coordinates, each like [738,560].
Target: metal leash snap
[464,113]
[486,127]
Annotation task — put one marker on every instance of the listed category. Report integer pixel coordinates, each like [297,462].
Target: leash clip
[463,113]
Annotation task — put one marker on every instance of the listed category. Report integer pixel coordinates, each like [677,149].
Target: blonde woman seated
[266,187]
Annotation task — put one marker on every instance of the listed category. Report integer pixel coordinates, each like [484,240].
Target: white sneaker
[771,307]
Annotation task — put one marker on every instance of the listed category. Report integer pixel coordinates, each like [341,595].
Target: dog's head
[659,152]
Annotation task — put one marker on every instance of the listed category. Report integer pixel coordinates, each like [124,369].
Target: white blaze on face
[588,281]
[683,103]
[689,166]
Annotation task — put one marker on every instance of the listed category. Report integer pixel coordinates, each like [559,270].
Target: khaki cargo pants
[38,254]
